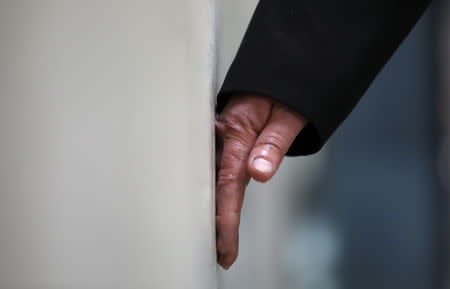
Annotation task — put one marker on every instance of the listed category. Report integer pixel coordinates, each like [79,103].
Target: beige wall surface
[106,169]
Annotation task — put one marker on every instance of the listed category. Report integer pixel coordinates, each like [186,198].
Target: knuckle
[235,154]
[273,144]
[239,121]
[226,179]
[236,139]
[232,125]
[235,178]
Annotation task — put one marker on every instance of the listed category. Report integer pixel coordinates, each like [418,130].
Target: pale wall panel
[106,169]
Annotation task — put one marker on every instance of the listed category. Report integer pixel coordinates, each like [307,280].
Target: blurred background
[371,209]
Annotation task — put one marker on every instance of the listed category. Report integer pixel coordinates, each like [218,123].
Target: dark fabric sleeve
[318,57]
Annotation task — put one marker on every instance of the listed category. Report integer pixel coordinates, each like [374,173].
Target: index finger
[233,177]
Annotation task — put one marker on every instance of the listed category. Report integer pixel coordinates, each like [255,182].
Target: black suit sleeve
[318,57]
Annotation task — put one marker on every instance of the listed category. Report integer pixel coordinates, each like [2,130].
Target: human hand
[253,135]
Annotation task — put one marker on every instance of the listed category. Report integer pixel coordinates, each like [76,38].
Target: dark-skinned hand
[253,135]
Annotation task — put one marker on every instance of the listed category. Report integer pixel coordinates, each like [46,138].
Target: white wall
[106,176]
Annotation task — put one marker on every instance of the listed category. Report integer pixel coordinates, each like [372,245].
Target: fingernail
[263,165]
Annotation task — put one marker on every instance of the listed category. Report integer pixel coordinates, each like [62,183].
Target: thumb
[274,141]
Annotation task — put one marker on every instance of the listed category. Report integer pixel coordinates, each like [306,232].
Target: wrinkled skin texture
[253,135]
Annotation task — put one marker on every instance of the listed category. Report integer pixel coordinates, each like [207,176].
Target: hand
[253,135]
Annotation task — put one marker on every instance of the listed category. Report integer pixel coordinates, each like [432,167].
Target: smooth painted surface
[106,176]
